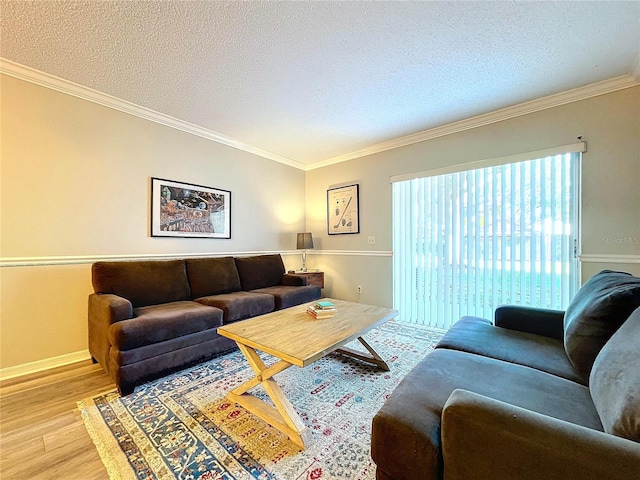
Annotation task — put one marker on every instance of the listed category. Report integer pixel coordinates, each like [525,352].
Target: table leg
[374,357]
[283,416]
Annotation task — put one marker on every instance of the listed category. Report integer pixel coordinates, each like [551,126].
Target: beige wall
[75,181]
[610,186]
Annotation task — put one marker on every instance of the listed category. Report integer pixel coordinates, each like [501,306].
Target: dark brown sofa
[539,394]
[148,318]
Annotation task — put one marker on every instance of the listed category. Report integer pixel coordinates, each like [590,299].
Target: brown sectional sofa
[538,394]
[148,318]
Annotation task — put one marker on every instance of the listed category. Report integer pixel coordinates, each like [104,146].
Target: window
[467,241]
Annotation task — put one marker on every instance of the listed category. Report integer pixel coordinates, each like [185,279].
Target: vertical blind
[468,241]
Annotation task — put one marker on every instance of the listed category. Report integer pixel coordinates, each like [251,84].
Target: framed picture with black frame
[343,210]
[185,210]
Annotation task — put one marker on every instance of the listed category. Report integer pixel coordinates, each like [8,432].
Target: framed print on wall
[185,210]
[343,210]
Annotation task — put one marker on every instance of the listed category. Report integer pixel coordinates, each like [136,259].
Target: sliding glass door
[468,241]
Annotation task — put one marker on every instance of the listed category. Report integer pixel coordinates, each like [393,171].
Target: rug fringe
[113,458]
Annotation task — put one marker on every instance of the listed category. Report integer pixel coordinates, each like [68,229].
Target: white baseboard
[40,365]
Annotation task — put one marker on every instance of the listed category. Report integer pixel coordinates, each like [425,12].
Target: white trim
[65,86]
[88,259]
[492,162]
[45,364]
[355,253]
[532,106]
[8,262]
[608,258]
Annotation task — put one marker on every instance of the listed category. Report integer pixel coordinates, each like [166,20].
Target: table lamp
[305,240]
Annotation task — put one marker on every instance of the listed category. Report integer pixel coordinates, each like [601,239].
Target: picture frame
[343,210]
[181,209]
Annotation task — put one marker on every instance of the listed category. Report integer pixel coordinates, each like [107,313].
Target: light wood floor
[42,435]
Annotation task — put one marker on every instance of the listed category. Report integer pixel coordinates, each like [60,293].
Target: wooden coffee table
[297,338]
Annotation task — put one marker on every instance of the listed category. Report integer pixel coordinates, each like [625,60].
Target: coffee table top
[298,338]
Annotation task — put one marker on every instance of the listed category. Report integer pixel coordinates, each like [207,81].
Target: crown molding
[555,100]
[37,77]
[65,86]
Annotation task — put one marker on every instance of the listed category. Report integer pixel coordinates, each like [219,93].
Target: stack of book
[322,309]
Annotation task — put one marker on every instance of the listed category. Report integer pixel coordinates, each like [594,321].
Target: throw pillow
[596,312]
[615,381]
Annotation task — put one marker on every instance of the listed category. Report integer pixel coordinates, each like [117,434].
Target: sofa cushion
[158,323]
[286,297]
[127,357]
[615,381]
[480,336]
[260,271]
[132,374]
[240,305]
[142,282]
[405,441]
[212,276]
[598,309]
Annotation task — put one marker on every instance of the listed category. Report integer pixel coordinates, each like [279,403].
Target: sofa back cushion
[212,276]
[142,282]
[615,381]
[260,271]
[596,312]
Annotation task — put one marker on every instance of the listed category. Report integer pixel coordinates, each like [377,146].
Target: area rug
[182,427]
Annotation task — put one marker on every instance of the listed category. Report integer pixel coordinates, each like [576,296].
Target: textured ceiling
[310,81]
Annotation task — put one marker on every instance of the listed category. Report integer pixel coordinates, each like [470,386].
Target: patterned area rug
[182,427]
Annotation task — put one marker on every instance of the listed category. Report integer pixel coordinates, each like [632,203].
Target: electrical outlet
[359,289]
[371,240]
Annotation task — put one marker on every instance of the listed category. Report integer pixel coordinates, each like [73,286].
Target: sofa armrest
[104,311]
[538,321]
[108,308]
[292,280]
[483,438]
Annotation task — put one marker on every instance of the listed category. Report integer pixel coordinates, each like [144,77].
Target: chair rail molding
[608,258]
[354,253]
[7,262]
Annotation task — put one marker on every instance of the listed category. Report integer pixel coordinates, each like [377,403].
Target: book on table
[322,309]
[321,313]
[324,305]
